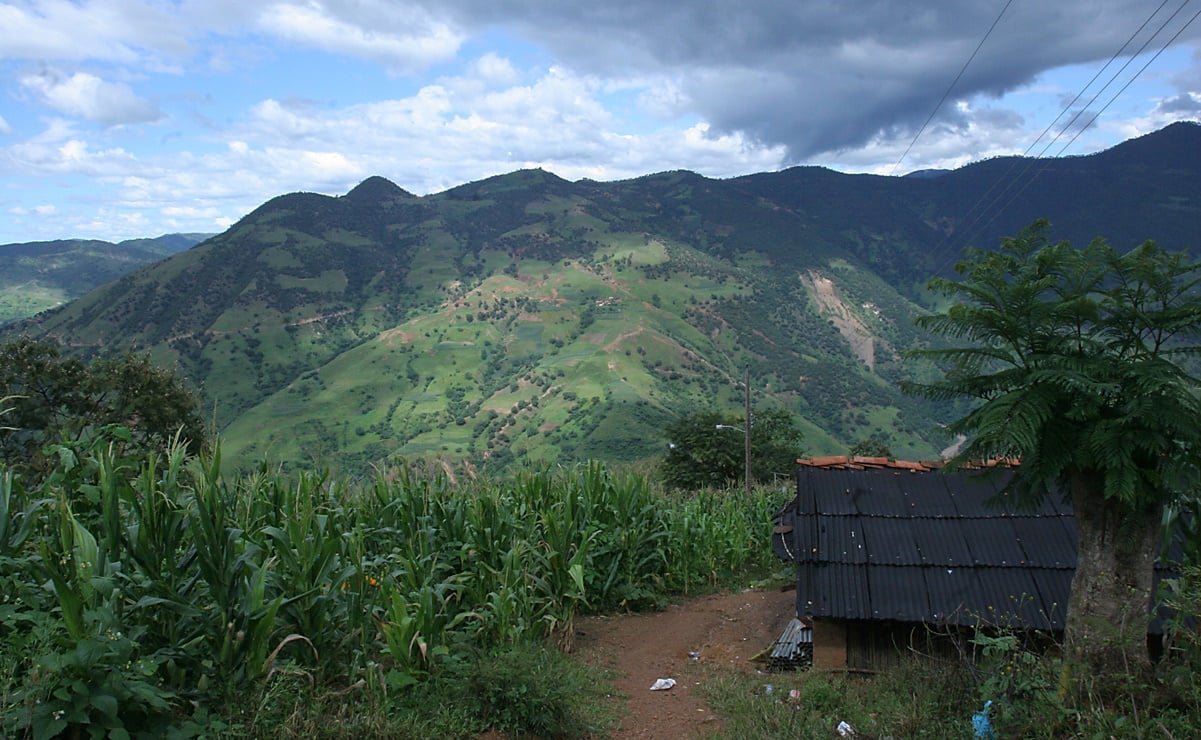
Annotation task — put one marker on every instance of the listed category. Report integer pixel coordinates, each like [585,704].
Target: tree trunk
[1108,612]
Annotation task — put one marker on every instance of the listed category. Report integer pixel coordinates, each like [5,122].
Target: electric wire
[1022,181]
[972,217]
[1130,82]
[951,87]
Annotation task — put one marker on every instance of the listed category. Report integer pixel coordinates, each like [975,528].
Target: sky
[122,119]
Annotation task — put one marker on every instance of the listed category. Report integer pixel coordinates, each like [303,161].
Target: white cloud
[122,32]
[62,150]
[42,209]
[402,38]
[191,212]
[459,130]
[89,97]
[494,70]
[816,77]
[603,90]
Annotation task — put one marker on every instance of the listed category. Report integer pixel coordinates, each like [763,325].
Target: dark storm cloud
[1183,104]
[820,76]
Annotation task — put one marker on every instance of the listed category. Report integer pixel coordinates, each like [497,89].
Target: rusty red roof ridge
[859,462]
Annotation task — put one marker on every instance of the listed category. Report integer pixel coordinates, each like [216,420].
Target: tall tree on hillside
[706,449]
[51,398]
[1075,357]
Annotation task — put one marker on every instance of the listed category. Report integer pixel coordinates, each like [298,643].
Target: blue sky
[121,119]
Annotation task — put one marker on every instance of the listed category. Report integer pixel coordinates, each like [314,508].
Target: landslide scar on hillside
[832,307]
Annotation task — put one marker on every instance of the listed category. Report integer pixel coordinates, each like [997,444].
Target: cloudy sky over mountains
[121,118]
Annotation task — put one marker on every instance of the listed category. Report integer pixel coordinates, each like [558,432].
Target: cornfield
[134,590]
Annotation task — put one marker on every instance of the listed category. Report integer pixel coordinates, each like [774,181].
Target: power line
[1129,61]
[1130,82]
[1089,84]
[951,87]
[979,209]
[1023,181]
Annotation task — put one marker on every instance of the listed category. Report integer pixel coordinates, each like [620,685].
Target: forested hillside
[528,318]
[35,276]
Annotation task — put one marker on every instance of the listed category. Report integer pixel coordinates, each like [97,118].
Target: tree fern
[1076,358]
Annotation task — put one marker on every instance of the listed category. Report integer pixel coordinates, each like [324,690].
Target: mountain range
[527,318]
[35,276]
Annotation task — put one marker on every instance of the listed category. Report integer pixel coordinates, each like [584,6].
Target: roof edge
[860,462]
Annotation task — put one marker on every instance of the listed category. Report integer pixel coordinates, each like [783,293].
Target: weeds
[919,699]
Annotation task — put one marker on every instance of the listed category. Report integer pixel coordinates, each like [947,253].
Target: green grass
[18,302]
[916,701]
[927,698]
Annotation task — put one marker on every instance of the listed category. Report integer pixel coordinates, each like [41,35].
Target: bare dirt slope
[726,629]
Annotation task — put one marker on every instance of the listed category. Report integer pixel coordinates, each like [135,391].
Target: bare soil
[725,630]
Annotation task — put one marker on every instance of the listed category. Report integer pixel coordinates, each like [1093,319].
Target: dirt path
[725,629]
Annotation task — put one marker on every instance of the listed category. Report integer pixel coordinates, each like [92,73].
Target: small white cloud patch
[86,96]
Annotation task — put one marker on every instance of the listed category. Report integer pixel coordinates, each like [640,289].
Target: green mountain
[35,276]
[525,317]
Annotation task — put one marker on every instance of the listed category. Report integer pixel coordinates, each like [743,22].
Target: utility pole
[747,432]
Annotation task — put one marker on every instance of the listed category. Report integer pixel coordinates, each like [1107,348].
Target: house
[891,554]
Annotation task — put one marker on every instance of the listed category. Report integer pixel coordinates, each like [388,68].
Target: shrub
[527,689]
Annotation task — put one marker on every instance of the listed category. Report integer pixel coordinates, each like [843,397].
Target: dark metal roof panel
[890,540]
[837,591]
[1048,541]
[930,495]
[831,494]
[897,593]
[941,542]
[1006,598]
[879,492]
[992,541]
[841,539]
[1054,586]
[950,591]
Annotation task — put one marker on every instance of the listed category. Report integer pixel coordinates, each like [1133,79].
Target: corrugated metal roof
[881,541]
[891,540]
[837,589]
[893,595]
[942,543]
[950,590]
[992,541]
[840,539]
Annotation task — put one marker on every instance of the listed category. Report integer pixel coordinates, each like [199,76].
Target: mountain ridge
[525,317]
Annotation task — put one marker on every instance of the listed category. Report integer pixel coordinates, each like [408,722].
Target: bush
[527,689]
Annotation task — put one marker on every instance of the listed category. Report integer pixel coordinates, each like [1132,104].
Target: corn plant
[101,677]
[241,616]
[17,516]
[198,582]
[418,629]
[309,547]
[627,559]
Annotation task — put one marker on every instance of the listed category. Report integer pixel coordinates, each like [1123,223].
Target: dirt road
[726,629]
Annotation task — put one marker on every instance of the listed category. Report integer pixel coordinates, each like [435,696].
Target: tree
[1075,360]
[701,455]
[871,447]
[51,397]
